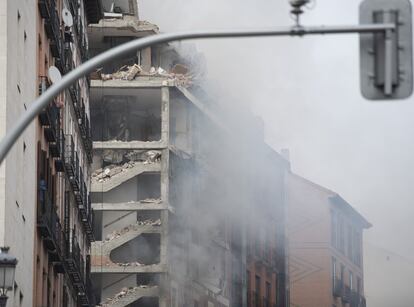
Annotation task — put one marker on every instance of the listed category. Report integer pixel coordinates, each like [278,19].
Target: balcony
[75,94]
[85,210]
[56,148]
[338,287]
[52,28]
[82,118]
[346,294]
[49,117]
[45,8]
[73,7]
[86,297]
[265,302]
[74,261]
[68,59]
[87,217]
[356,300]
[253,299]
[72,164]
[50,229]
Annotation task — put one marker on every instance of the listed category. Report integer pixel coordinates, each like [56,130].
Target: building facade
[173,182]
[44,198]
[325,247]
[64,153]
[171,214]
[266,236]
[18,40]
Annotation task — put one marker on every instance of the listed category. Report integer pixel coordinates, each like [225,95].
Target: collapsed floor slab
[130,295]
[127,173]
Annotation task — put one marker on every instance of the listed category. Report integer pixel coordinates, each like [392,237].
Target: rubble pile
[179,74]
[136,263]
[118,233]
[124,161]
[123,293]
[151,200]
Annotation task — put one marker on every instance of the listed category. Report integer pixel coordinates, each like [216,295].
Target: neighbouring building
[267,283]
[325,247]
[63,151]
[18,44]
[45,212]
[175,184]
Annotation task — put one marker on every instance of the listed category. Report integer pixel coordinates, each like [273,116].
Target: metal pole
[141,43]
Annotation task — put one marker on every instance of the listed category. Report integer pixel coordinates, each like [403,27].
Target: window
[342,273]
[359,285]
[257,294]
[267,295]
[333,271]
[334,225]
[341,235]
[174,297]
[351,279]
[357,259]
[248,281]
[349,241]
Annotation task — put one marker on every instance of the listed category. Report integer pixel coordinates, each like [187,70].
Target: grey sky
[307,91]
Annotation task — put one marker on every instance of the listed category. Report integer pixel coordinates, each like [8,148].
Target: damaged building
[171,206]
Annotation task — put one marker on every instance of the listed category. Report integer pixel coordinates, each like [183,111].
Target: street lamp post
[7,269]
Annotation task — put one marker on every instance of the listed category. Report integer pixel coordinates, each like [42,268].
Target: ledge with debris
[145,204]
[120,25]
[133,227]
[179,75]
[115,144]
[119,237]
[122,169]
[114,268]
[129,295]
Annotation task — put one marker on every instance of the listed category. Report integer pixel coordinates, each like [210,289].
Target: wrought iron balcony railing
[52,28]
[74,261]
[72,163]
[338,287]
[346,295]
[60,149]
[45,7]
[68,59]
[49,226]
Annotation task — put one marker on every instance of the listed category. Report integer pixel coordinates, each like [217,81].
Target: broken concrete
[146,204]
[130,295]
[104,180]
[179,74]
[119,237]
[114,268]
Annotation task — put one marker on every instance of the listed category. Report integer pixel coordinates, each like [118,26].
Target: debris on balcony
[118,233]
[123,293]
[146,156]
[124,73]
[121,161]
[179,73]
[136,263]
[151,200]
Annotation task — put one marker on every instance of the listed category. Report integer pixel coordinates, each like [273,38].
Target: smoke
[307,92]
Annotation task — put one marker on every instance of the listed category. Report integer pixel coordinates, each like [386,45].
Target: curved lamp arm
[41,102]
